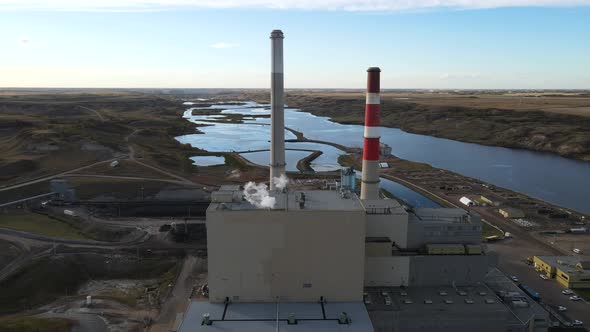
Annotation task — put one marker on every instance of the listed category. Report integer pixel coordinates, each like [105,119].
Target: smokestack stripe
[373,99]
[371,149]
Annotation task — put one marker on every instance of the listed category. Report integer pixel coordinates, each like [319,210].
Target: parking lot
[569,242]
[512,261]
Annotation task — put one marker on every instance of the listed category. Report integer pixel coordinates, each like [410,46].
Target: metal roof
[262,317]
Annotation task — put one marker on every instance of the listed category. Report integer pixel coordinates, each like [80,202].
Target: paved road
[14,234]
[84,322]
[49,177]
[125,178]
[178,299]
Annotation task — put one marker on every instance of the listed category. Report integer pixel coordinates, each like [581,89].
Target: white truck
[70,213]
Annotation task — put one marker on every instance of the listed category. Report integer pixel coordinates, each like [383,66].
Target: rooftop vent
[206,320]
[344,319]
[291,320]
[301,199]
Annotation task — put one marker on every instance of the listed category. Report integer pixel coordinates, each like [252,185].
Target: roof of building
[443,300]
[314,200]
[444,215]
[511,210]
[500,283]
[567,263]
[558,261]
[585,265]
[262,317]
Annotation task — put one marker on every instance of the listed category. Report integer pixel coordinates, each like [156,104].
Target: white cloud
[224,45]
[345,5]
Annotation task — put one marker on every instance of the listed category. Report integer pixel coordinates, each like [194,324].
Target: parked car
[577,323]
[514,278]
[577,251]
[567,292]
[561,308]
[575,298]
[543,276]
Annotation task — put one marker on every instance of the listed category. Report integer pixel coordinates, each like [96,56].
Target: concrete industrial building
[570,271]
[306,260]
[294,252]
[511,213]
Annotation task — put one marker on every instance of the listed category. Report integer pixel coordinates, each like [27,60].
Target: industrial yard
[158,216]
[176,210]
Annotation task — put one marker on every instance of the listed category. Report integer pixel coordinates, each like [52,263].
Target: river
[561,181]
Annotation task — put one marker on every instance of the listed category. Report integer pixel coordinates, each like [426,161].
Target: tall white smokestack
[277,117]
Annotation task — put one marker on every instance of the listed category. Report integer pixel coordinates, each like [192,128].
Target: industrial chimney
[277,101]
[370,178]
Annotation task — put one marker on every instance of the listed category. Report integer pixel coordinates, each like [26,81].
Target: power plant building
[311,260]
[297,251]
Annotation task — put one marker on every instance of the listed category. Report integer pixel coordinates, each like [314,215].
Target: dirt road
[93,111]
[178,299]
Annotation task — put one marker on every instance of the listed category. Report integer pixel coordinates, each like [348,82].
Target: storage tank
[348,178]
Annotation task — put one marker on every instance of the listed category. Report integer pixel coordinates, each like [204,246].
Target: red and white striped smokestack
[370,177]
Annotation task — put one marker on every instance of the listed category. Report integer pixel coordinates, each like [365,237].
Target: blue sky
[226,45]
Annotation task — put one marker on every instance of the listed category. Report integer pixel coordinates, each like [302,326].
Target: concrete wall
[390,271]
[421,233]
[394,226]
[377,249]
[258,255]
[444,270]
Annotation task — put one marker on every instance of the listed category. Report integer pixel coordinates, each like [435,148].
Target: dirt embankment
[565,134]
[52,277]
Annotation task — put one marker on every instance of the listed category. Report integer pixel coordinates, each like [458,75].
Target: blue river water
[561,181]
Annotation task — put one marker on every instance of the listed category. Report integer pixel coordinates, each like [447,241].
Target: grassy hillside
[39,224]
[34,324]
[43,134]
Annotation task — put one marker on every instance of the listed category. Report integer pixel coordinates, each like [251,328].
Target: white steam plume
[257,195]
[281,182]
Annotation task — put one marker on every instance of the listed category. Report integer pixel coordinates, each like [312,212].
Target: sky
[421,44]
